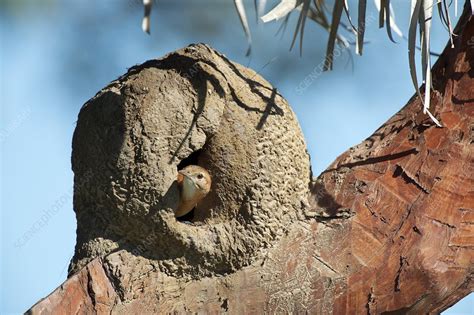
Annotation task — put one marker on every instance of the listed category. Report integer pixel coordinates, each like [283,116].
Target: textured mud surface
[192,106]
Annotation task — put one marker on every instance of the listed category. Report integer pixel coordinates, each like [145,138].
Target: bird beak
[181,176]
[182,173]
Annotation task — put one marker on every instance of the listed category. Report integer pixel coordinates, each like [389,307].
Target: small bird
[194,183]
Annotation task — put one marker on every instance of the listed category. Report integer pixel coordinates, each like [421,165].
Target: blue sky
[55,55]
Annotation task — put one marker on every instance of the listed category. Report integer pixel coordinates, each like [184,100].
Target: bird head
[195,182]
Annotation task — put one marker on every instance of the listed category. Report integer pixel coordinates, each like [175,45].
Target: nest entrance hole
[192,159]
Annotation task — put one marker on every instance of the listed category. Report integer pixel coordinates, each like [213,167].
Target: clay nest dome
[193,106]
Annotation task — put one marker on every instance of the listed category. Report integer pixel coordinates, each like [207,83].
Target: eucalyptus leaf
[300,25]
[361,26]
[336,18]
[281,10]
[428,14]
[384,7]
[146,16]
[239,5]
[346,10]
[318,11]
[414,14]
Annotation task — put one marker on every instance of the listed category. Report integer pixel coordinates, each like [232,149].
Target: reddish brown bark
[392,228]
[410,185]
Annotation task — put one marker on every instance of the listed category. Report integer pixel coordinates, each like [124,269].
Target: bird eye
[200,176]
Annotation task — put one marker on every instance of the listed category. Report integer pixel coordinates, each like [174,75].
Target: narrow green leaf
[239,5]
[428,14]
[146,16]
[417,16]
[304,13]
[386,13]
[361,26]
[421,23]
[393,23]
[381,12]
[300,25]
[388,18]
[346,10]
[336,18]
[448,18]
[441,14]
[281,10]
[317,14]
[415,11]
[255,4]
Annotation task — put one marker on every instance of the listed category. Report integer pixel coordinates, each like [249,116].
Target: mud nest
[193,106]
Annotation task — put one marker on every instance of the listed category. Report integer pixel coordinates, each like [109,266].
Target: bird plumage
[194,183]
